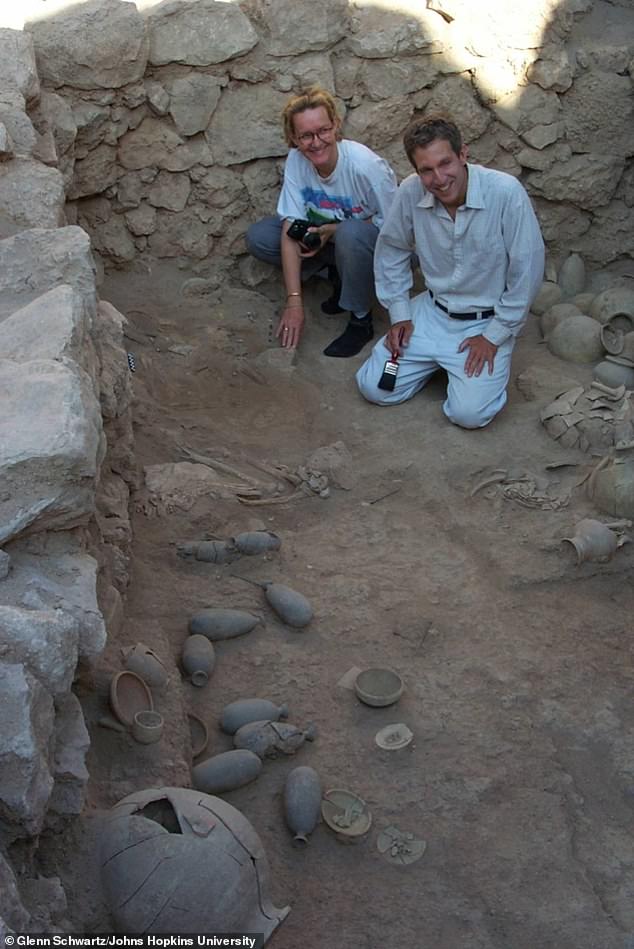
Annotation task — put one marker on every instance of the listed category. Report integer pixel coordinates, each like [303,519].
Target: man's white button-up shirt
[490,256]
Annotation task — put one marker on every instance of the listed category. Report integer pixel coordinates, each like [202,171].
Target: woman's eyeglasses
[323,134]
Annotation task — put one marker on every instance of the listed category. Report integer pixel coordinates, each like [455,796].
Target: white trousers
[471,402]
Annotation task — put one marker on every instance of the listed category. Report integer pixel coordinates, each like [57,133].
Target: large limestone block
[300,71]
[222,187]
[552,70]
[17,63]
[6,145]
[25,750]
[378,32]
[561,223]
[141,221]
[246,126]
[31,196]
[98,44]
[39,259]
[50,444]
[18,124]
[45,642]
[587,181]
[112,240]
[455,96]
[53,326]
[72,742]
[383,79]
[297,26]
[114,376]
[11,909]
[590,124]
[179,235]
[198,33]
[53,115]
[92,121]
[94,173]
[532,110]
[193,99]
[611,235]
[377,123]
[50,571]
[155,143]
[169,191]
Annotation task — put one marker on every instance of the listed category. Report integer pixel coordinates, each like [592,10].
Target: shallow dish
[346,813]
[393,737]
[378,687]
[129,694]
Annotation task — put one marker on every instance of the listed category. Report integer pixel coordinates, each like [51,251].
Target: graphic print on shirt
[322,208]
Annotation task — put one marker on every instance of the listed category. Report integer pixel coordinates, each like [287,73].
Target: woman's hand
[289,329]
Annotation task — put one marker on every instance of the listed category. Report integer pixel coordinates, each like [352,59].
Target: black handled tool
[388,376]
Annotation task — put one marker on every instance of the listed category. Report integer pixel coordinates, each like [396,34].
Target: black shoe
[331,306]
[356,334]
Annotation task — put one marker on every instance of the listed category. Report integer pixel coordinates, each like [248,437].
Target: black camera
[298,231]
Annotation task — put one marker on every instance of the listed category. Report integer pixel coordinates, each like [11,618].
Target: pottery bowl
[345,813]
[378,687]
[129,694]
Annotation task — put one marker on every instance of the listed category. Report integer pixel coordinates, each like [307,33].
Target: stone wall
[65,465]
[164,121]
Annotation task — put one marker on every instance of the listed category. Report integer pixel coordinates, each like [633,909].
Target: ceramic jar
[592,540]
[198,659]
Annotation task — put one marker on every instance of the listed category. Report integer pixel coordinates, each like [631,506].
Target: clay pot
[175,860]
[302,802]
[243,711]
[217,623]
[611,487]
[613,373]
[592,540]
[227,771]
[548,295]
[147,727]
[291,607]
[616,305]
[256,542]
[572,276]
[556,315]
[198,659]
[576,339]
[145,662]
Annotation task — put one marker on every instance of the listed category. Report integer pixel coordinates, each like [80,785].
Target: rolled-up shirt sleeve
[392,259]
[525,271]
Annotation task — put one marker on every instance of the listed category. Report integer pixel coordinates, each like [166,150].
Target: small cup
[147,727]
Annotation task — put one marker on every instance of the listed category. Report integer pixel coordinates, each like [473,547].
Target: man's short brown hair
[312,98]
[422,132]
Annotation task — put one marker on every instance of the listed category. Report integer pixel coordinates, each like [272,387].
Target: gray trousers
[351,250]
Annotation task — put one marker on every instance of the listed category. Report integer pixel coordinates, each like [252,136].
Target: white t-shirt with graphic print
[361,186]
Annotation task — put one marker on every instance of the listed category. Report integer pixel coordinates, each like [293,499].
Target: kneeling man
[482,256]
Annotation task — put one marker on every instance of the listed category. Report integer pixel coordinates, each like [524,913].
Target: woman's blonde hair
[312,98]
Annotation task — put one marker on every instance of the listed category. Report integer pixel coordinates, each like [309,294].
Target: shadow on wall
[178,145]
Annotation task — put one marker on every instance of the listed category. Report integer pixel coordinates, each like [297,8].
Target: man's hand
[325,232]
[290,326]
[481,353]
[398,336]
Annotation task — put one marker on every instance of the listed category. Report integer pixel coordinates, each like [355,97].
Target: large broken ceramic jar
[174,860]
